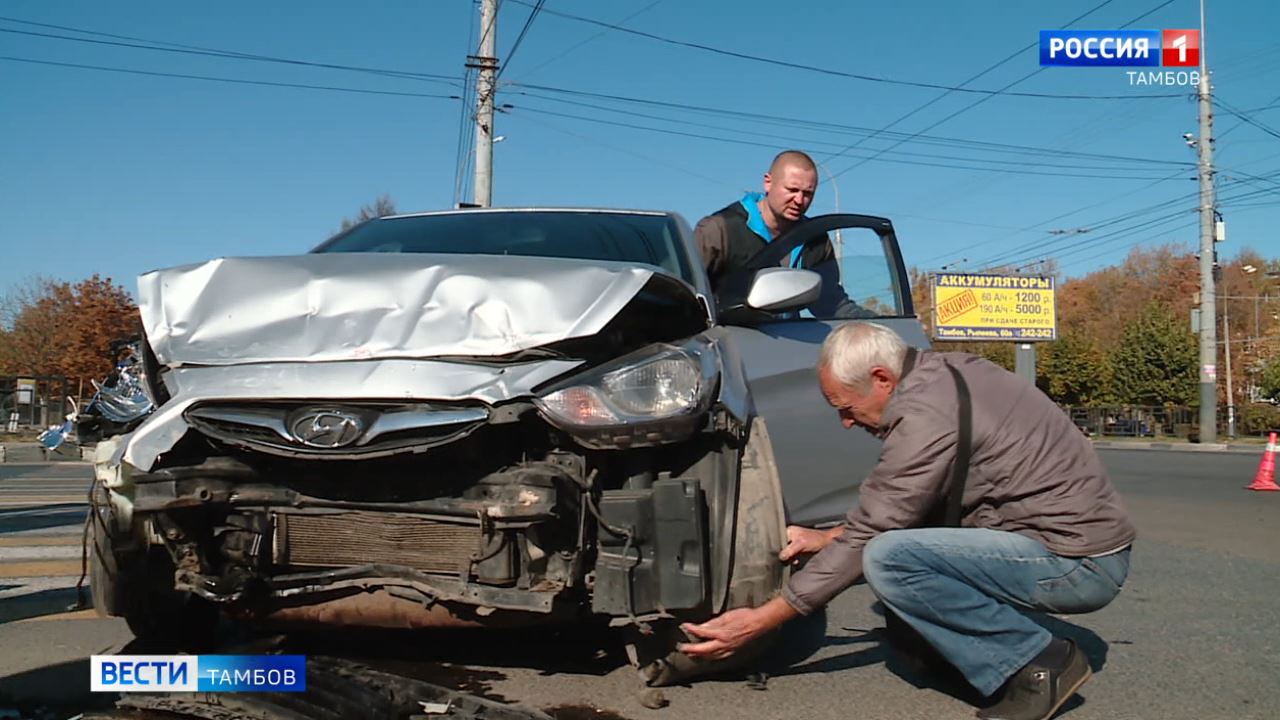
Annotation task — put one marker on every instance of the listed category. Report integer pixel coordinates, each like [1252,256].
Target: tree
[1101,304]
[1269,381]
[36,314]
[381,207]
[1156,360]
[57,328]
[1075,371]
[103,312]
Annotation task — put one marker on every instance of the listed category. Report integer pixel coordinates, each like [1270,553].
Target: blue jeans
[963,589]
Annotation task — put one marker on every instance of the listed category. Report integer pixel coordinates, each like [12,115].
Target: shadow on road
[442,656]
[62,688]
[469,660]
[37,517]
[43,602]
[869,646]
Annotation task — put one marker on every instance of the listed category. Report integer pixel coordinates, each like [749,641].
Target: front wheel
[138,586]
[756,575]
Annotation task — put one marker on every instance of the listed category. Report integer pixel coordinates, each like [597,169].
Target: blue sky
[122,173]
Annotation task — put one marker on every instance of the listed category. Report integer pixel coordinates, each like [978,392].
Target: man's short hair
[798,158]
[853,349]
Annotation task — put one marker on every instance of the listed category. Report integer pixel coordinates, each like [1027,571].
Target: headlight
[131,396]
[652,396]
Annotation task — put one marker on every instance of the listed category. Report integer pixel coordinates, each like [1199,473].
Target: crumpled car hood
[363,306]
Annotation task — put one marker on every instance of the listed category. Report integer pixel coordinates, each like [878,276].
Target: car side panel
[821,463]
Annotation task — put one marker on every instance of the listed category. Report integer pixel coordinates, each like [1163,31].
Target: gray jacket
[1031,472]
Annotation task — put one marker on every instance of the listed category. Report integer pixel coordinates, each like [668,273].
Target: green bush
[1258,419]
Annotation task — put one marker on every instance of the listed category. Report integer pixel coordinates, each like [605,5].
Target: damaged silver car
[480,418]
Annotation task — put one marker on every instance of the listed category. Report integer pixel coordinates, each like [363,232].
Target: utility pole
[1208,256]
[486,83]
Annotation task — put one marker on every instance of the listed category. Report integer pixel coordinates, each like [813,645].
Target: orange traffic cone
[1265,479]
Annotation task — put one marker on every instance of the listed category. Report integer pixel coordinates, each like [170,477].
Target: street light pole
[1231,402]
[839,237]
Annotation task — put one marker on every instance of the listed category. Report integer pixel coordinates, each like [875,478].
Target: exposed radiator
[360,538]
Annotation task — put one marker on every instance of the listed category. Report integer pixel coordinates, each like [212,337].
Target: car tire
[166,618]
[104,572]
[756,574]
[138,586]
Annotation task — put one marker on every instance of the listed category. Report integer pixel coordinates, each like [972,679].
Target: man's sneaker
[1036,692]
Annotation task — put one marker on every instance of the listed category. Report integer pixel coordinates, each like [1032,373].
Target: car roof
[603,211]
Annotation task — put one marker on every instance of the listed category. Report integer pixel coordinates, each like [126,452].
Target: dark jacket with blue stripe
[727,243]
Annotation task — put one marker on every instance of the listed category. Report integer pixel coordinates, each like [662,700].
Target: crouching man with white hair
[986,501]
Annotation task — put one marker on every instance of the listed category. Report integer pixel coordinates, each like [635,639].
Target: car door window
[858,278]
[857,258]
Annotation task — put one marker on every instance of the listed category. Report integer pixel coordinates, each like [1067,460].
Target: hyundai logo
[326,428]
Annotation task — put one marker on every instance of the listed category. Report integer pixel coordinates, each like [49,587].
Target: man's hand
[806,541]
[727,634]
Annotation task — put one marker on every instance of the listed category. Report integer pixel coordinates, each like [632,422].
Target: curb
[29,452]
[1179,447]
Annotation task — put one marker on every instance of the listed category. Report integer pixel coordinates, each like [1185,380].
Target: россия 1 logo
[1126,48]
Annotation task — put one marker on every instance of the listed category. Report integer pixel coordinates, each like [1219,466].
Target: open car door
[820,462]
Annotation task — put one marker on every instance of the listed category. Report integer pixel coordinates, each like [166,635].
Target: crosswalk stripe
[42,509]
[39,568]
[39,541]
[89,614]
[31,552]
[67,500]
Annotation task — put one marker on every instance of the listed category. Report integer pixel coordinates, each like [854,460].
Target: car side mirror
[783,289]
[771,290]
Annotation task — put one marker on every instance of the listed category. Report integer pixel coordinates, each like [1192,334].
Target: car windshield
[618,237]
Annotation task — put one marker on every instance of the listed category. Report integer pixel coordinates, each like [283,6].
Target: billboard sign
[970,306]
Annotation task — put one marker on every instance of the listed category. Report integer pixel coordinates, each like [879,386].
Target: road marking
[43,568]
[17,588]
[38,541]
[89,614]
[30,552]
[64,500]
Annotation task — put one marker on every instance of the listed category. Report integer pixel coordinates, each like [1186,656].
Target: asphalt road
[1195,634]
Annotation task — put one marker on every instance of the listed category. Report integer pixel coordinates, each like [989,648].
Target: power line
[947,92]
[1132,243]
[533,15]
[626,151]
[1244,117]
[465,139]
[1028,228]
[784,121]
[1002,90]
[237,81]
[1076,165]
[775,146]
[1040,246]
[1032,259]
[591,38]
[833,72]
[1120,233]
[1253,181]
[233,55]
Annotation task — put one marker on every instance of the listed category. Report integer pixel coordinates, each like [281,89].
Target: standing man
[731,236]
[1042,527]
